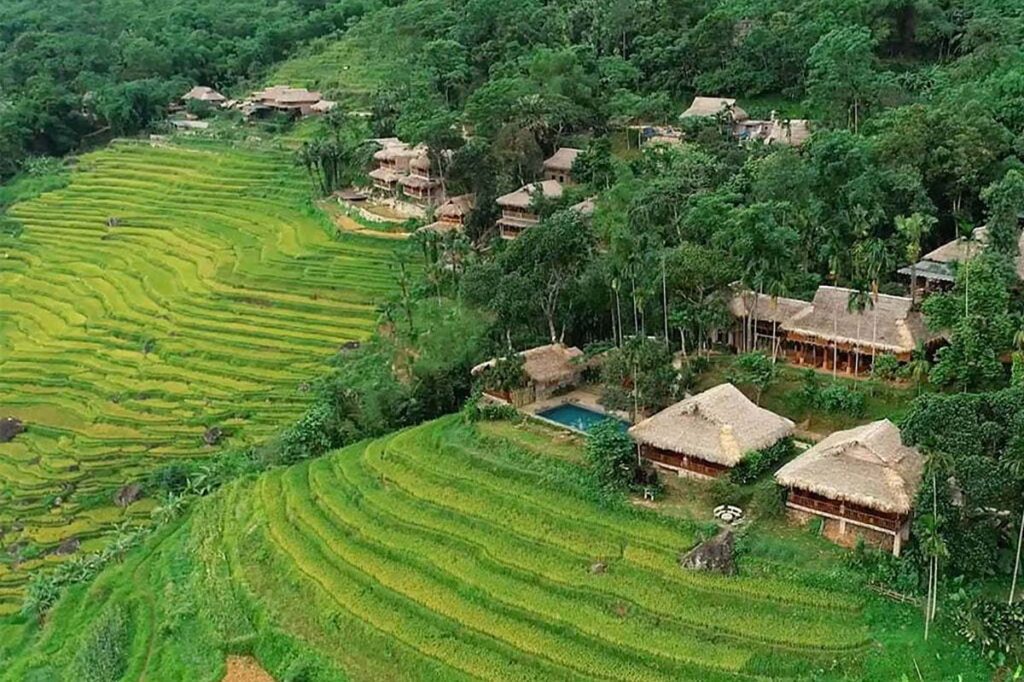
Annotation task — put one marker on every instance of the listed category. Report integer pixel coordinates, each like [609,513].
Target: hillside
[439,553]
[166,290]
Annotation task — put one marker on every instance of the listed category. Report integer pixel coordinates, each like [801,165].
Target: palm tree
[932,542]
[918,368]
[858,302]
[914,228]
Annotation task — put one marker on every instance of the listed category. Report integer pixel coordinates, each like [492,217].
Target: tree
[594,165]
[1005,201]
[535,274]
[611,456]
[913,229]
[757,370]
[842,79]
[981,326]
[639,377]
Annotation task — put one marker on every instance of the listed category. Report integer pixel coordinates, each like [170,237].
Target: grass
[164,290]
[883,400]
[448,552]
[350,68]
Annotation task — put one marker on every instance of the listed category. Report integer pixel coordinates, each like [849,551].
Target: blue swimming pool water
[576,417]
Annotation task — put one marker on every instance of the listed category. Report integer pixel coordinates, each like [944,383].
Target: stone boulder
[9,428]
[213,435]
[128,494]
[69,546]
[715,555]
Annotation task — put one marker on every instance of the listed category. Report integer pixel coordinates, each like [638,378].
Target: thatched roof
[545,364]
[562,159]
[419,182]
[937,264]
[712,106]
[323,106]
[386,175]
[868,466]
[286,95]
[523,197]
[720,425]
[204,94]
[457,208]
[745,303]
[890,326]
[959,249]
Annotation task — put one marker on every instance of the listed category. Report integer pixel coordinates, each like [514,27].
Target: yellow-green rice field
[441,553]
[165,290]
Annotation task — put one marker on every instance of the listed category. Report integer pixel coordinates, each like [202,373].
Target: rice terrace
[167,290]
[476,340]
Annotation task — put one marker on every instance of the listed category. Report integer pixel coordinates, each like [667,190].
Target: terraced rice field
[436,553]
[164,291]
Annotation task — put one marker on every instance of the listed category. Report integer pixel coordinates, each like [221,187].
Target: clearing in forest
[164,291]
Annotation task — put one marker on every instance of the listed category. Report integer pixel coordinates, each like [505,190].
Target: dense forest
[917,122]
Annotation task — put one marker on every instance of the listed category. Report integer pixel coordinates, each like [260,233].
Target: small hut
[559,165]
[517,213]
[451,215]
[861,482]
[707,434]
[203,93]
[548,369]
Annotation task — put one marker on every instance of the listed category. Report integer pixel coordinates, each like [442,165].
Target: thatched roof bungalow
[863,477]
[451,215]
[558,167]
[203,93]
[548,369]
[517,212]
[707,434]
[713,106]
[937,268]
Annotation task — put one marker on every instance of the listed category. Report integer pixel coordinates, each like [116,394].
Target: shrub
[755,369]
[760,462]
[767,501]
[103,656]
[996,628]
[837,398]
[885,367]
[724,491]
[611,456]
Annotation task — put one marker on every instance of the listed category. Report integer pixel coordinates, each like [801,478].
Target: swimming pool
[578,418]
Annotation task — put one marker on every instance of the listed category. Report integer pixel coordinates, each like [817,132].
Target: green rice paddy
[438,553]
[165,290]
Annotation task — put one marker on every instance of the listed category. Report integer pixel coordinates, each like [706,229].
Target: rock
[69,546]
[599,568]
[350,346]
[213,435]
[9,428]
[128,494]
[714,555]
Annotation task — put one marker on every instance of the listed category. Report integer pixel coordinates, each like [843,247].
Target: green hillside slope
[436,553]
[166,290]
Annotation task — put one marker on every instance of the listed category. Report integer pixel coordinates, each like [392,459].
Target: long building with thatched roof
[827,332]
[707,434]
[862,482]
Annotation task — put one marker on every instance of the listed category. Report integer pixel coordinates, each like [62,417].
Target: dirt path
[245,669]
[346,224]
